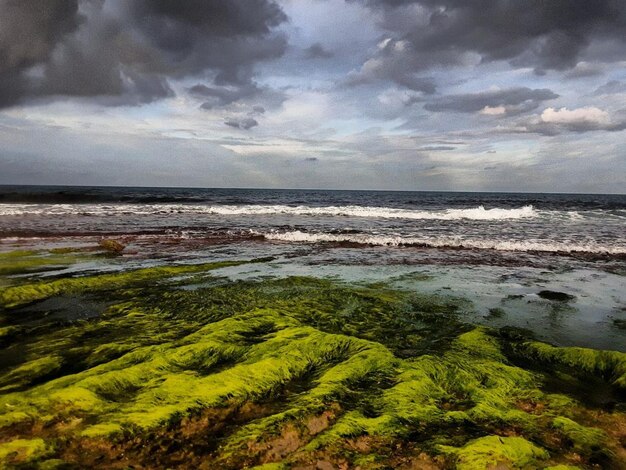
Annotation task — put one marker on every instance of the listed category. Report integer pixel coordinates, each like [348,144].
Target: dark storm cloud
[216,18]
[317,51]
[29,30]
[128,50]
[196,34]
[244,123]
[513,100]
[584,70]
[83,68]
[394,61]
[545,35]
[221,96]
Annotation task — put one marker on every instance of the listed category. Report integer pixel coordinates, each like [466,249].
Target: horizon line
[311,189]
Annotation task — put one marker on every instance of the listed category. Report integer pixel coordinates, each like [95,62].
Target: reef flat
[177,366]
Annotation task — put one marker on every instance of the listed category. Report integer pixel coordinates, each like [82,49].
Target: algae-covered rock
[487,452]
[584,440]
[610,365]
[29,372]
[22,451]
[18,295]
[562,467]
[54,464]
[112,246]
[29,261]
[271,466]
[283,373]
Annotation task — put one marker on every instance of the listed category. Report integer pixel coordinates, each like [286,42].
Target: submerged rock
[496,312]
[554,295]
[619,323]
[112,246]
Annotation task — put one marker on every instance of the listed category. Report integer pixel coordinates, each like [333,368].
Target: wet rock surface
[557,296]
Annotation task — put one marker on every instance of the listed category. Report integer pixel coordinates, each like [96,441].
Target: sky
[466,95]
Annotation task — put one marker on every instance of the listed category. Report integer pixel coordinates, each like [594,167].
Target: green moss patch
[28,261]
[22,451]
[611,365]
[23,294]
[490,451]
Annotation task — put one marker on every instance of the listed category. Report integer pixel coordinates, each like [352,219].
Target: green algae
[6,332]
[153,384]
[469,376]
[496,312]
[17,254]
[282,372]
[489,451]
[30,372]
[53,464]
[562,467]
[23,294]
[27,261]
[271,466]
[610,365]
[21,451]
[584,440]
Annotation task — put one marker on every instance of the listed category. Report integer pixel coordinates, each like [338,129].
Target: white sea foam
[477,213]
[442,242]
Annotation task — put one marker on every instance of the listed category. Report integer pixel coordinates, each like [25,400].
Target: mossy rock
[23,451]
[112,246]
[31,261]
[491,451]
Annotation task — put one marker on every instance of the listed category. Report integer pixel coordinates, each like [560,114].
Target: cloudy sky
[526,95]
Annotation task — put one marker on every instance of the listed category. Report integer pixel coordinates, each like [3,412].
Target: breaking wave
[477,213]
[442,242]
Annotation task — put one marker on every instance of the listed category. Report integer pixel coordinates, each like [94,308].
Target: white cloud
[382,44]
[397,99]
[493,111]
[586,115]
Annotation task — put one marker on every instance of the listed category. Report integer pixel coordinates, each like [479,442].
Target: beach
[192,328]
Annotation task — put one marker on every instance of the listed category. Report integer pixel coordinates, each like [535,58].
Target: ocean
[584,226]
